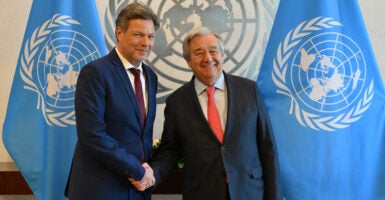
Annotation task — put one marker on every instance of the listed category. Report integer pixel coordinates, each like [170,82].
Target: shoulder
[184,91]
[148,70]
[103,63]
[239,82]
[243,88]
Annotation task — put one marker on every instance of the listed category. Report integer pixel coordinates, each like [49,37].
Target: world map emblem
[243,25]
[50,65]
[324,73]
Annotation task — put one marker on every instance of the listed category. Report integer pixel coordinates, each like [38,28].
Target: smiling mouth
[209,66]
[144,52]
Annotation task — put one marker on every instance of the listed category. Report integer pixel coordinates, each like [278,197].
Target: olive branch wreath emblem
[244,65]
[280,67]
[111,13]
[32,48]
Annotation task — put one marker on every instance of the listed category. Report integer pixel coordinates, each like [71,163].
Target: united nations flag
[326,100]
[39,129]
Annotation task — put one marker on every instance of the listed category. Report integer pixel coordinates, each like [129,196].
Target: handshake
[147,181]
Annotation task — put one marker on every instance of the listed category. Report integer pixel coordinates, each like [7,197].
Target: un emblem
[324,74]
[243,25]
[50,64]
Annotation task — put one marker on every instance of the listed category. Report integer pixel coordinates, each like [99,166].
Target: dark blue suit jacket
[247,156]
[111,141]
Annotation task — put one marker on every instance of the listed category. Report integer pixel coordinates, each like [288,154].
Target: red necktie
[139,93]
[213,114]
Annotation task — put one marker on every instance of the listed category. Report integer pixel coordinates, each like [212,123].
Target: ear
[118,33]
[189,63]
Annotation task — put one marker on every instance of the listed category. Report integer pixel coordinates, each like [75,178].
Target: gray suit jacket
[247,156]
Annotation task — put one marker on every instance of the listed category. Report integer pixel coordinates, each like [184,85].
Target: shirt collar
[127,65]
[201,87]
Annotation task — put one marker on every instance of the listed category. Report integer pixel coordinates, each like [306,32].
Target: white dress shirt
[127,65]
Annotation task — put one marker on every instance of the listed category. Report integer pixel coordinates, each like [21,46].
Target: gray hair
[198,32]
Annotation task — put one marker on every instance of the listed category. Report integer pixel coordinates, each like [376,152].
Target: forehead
[141,24]
[201,41]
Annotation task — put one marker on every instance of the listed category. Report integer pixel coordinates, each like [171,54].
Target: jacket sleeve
[165,158]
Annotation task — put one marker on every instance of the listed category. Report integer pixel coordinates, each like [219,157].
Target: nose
[145,41]
[207,56]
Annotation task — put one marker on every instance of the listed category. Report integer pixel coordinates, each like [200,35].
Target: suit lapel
[123,77]
[151,90]
[231,100]
[194,100]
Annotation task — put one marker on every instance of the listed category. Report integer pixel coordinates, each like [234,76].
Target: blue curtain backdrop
[326,99]
[39,129]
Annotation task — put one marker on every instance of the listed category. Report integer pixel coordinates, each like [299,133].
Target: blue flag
[326,100]
[39,130]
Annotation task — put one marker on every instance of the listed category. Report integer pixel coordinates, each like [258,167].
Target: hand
[147,181]
[149,175]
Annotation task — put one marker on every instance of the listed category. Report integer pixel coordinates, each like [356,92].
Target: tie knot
[210,90]
[134,71]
